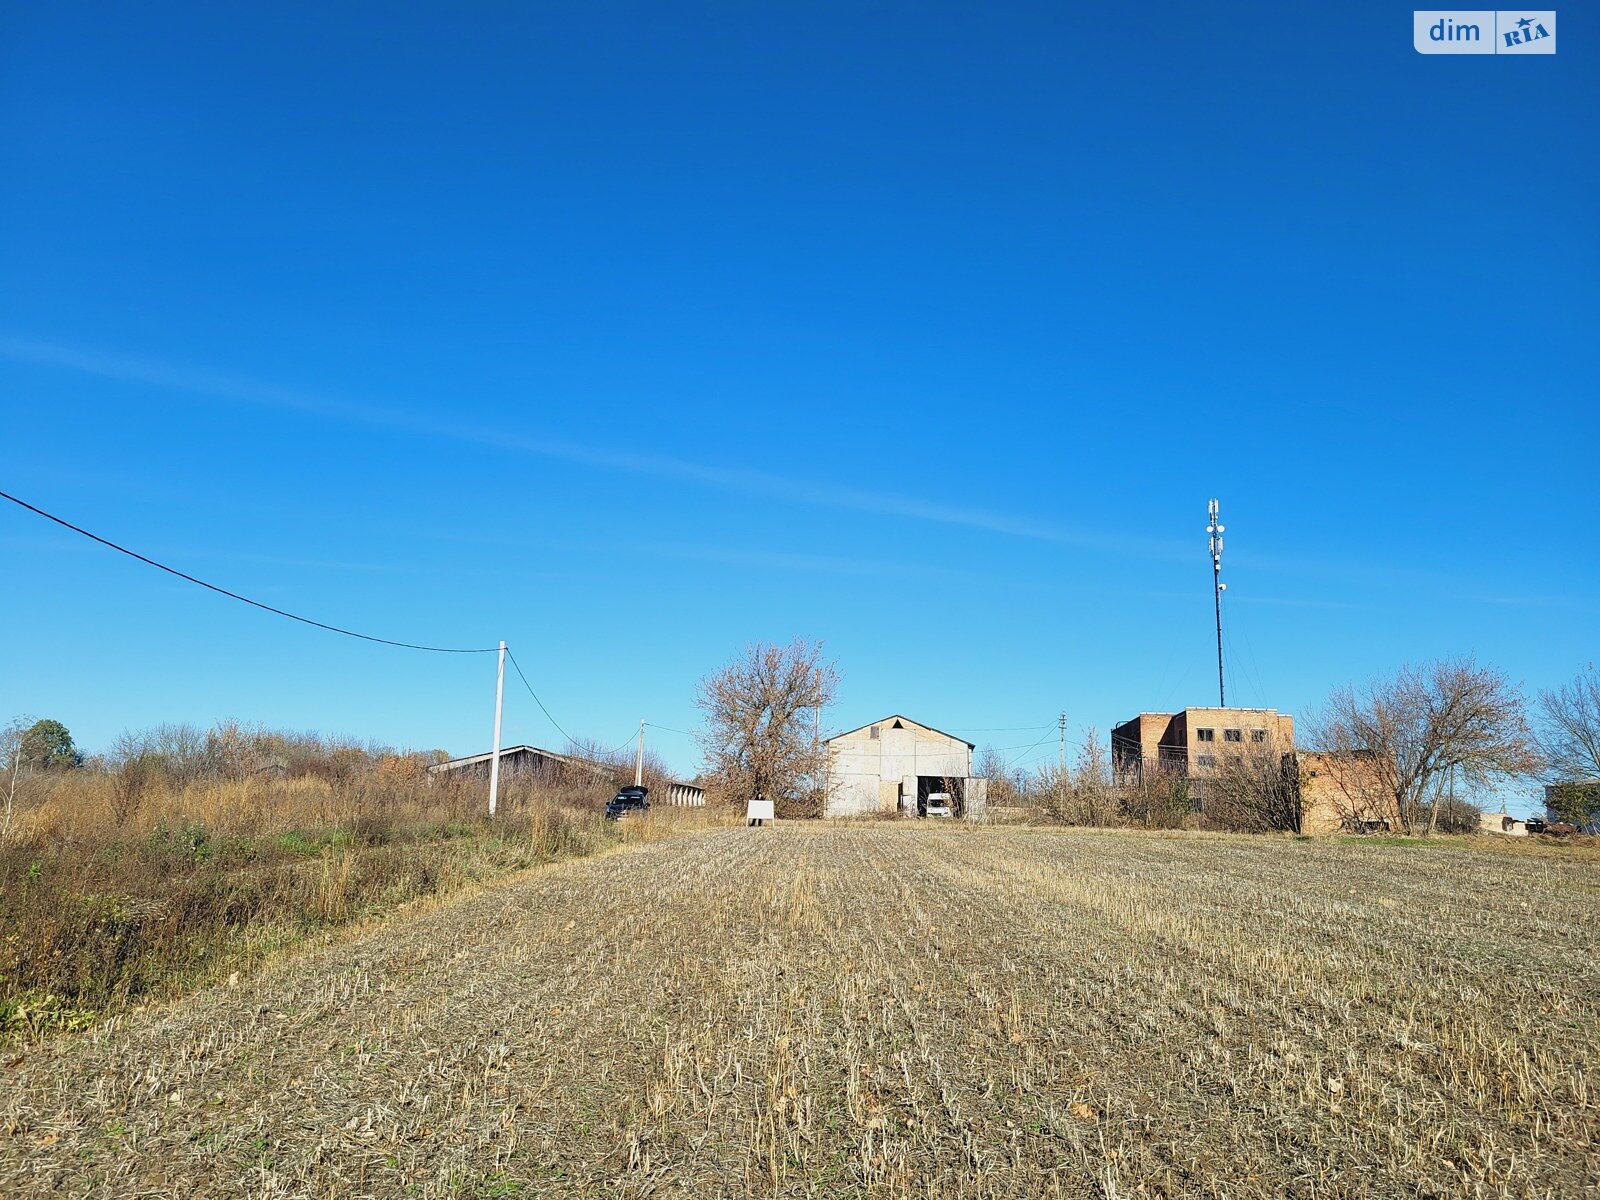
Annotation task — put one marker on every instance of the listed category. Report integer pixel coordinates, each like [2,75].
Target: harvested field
[874,1010]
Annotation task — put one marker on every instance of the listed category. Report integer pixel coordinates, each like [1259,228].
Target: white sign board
[759,810]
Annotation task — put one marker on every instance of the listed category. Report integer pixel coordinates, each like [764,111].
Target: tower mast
[1214,527]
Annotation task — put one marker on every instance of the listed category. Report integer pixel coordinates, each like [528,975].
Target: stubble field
[874,1010]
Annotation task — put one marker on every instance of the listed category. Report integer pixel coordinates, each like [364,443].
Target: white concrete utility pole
[1063,751]
[499,706]
[638,760]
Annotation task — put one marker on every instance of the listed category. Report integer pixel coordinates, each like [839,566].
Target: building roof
[1235,708]
[903,717]
[566,760]
[1243,708]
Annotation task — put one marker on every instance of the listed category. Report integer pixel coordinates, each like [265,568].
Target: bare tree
[1092,791]
[1009,787]
[1451,814]
[1047,788]
[619,762]
[759,739]
[1569,729]
[1413,732]
[182,753]
[12,751]
[1568,725]
[1083,793]
[1157,797]
[991,766]
[1256,791]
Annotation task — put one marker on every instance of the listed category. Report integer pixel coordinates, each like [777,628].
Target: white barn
[893,765]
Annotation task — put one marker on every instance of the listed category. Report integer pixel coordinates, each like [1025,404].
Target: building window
[1205,735]
[1233,735]
[1258,735]
[874,734]
[1206,760]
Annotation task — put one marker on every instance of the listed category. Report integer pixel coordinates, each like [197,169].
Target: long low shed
[532,760]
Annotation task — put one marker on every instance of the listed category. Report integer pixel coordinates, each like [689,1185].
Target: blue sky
[633,333]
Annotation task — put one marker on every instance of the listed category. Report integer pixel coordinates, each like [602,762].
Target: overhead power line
[1008,729]
[625,742]
[1012,761]
[236,596]
[536,699]
[222,591]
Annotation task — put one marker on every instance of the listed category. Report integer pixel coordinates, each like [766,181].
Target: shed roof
[566,760]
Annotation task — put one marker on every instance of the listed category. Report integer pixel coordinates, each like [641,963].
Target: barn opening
[953,786]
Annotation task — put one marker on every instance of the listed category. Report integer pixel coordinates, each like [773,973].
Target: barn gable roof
[903,717]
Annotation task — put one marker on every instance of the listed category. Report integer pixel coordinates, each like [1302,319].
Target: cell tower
[1214,527]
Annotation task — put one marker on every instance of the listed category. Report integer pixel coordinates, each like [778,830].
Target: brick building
[1333,792]
[1192,743]
[1348,792]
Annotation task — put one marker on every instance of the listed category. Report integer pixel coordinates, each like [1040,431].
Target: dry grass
[872,1010]
[106,902]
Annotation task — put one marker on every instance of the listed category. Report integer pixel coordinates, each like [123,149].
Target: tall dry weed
[138,881]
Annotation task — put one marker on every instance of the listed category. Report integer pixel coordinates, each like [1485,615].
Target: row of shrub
[185,857]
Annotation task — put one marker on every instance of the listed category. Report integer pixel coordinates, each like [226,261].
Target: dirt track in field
[879,1011]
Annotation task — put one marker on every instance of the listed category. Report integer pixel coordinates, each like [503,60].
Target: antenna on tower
[1214,527]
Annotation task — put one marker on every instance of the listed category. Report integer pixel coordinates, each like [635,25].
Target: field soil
[873,1010]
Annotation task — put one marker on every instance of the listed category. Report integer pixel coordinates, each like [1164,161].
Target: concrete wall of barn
[875,769]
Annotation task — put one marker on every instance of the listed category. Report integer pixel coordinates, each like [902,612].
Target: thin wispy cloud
[232,389]
[723,556]
[225,388]
[274,560]
[805,564]
[1535,601]
[194,555]
[1235,597]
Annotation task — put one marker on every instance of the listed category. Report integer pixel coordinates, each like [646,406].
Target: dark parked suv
[629,802]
